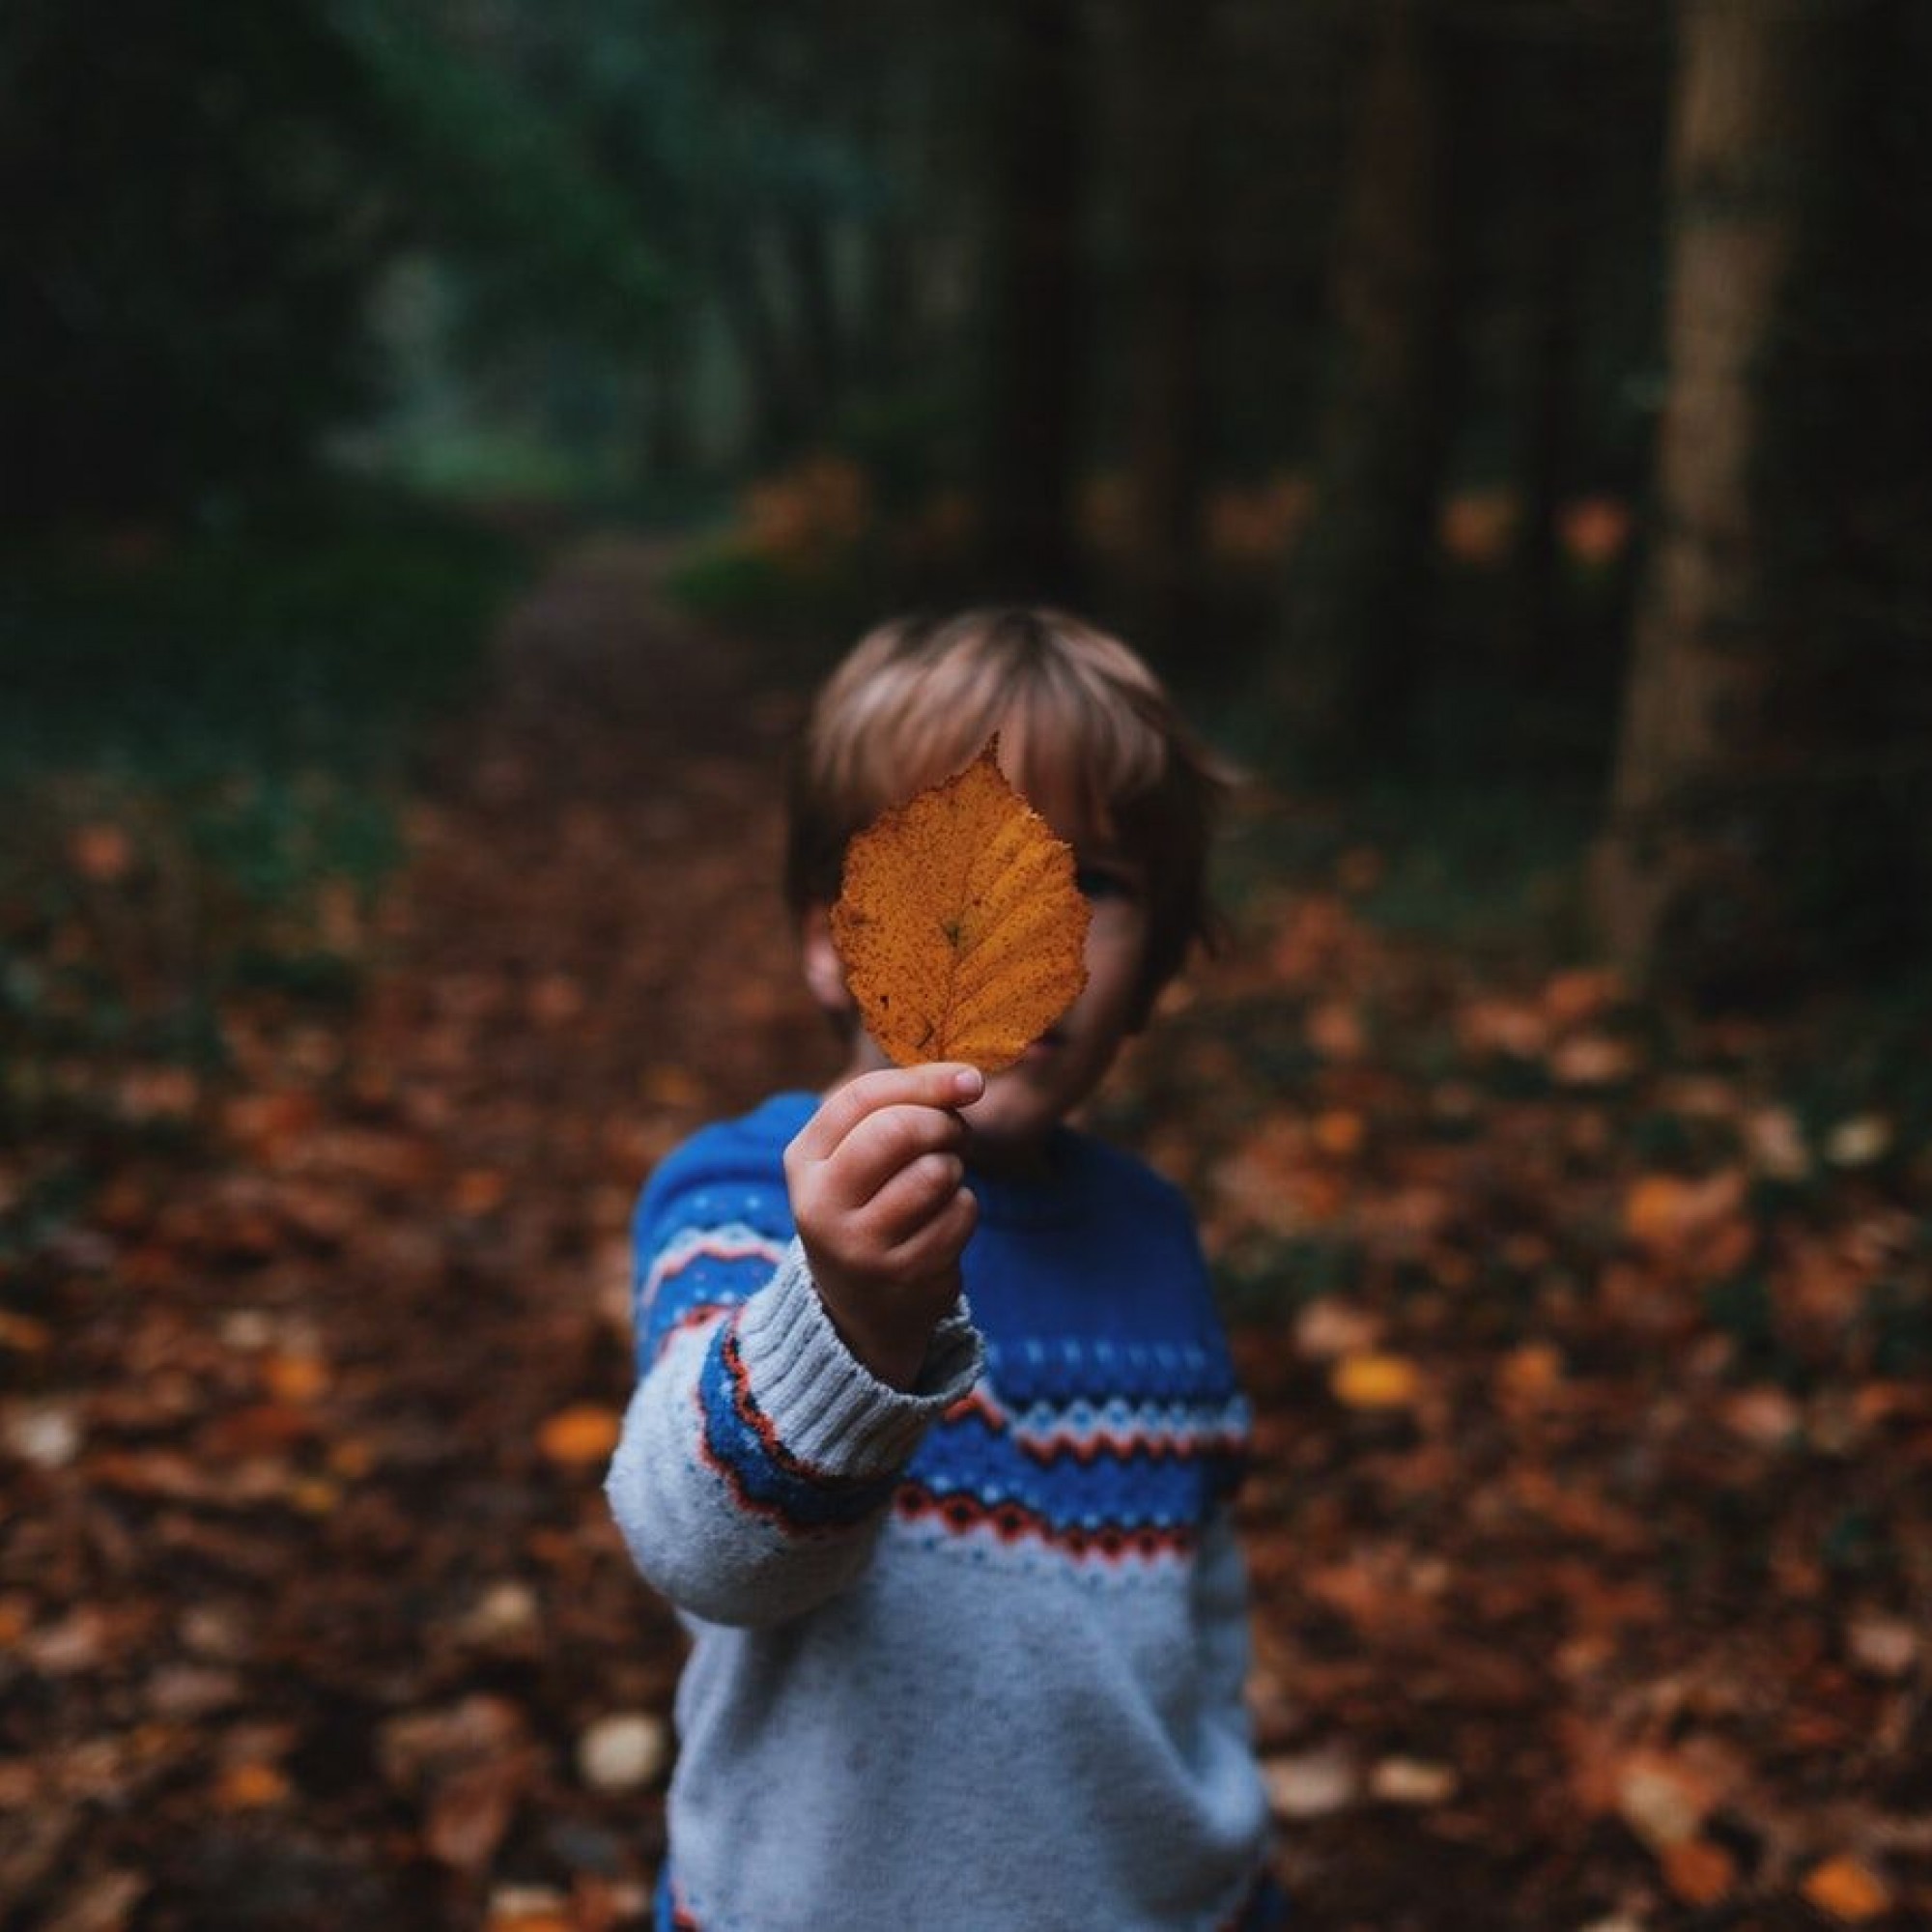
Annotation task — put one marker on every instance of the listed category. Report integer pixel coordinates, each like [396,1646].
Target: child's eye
[1103,882]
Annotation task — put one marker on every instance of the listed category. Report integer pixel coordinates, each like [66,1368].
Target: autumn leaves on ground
[1590,1527]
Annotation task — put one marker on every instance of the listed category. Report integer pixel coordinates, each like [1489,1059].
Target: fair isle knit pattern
[741,1444]
[969,1657]
[702,1248]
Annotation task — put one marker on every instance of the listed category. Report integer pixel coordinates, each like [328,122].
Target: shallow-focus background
[443,441]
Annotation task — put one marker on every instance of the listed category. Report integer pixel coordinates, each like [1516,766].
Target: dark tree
[1684,877]
[1171,234]
[1352,617]
[195,213]
[1037,311]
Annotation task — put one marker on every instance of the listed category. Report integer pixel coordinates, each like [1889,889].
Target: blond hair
[916,699]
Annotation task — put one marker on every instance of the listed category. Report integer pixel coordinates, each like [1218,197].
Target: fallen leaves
[1530,1376]
[1699,1871]
[1691,1221]
[1608,1597]
[961,922]
[1664,1799]
[1327,1781]
[254,1785]
[1578,1312]
[466,1766]
[1886,1647]
[292,1376]
[1413,1781]
[1312,1784]
[101,852]
[624,1752]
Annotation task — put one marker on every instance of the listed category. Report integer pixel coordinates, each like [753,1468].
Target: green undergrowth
[802,616]
[205,750]
[324,644]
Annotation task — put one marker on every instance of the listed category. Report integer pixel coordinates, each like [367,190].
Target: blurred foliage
[301,641]
[1587,1350]
[684,260]
[201,226]
[202,774]
[197,199]
[1848,811]
[502,182]
[1615,1311]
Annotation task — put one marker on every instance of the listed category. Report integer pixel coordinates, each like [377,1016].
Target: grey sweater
[969,1659]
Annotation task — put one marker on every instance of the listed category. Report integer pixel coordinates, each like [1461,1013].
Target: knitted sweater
[964,1659]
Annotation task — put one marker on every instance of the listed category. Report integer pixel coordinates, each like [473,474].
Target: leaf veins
[960,925]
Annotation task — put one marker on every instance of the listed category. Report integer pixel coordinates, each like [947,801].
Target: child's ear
[824,970]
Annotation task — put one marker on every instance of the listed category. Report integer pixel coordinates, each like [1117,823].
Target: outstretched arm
[775,1415]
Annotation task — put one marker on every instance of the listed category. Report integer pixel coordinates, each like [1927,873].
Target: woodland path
[1585,1597]
[340,1610]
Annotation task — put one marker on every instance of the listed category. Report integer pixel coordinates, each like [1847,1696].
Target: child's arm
[759,1452]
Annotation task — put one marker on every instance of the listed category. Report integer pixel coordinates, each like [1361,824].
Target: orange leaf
[23,1333]
[1847,1891]
[583,1434]
[960,925]
[1676,1220]
[1699,1871]
[520,1916]
[1372,1380]
[480,1190]
[292,1378]
[103,853]
[1531,1374]
[1340,1133]
[251,1786]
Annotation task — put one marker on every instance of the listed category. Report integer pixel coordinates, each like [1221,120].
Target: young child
[936,1431]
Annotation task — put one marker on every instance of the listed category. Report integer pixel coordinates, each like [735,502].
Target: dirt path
[1588,1522]
[319,1566]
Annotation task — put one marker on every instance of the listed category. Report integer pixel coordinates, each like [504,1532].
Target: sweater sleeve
[1221,1611]
[757,1455]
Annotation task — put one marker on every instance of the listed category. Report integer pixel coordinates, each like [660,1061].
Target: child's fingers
[910,1199]
[934,1249]
[945,1084]
[882,1145]
[907,1145]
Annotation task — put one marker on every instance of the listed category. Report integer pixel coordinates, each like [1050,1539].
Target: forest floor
[1591,1528]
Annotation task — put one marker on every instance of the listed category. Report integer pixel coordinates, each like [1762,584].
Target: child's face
[1023,1104]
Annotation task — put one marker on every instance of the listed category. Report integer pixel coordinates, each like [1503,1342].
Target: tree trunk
[1355,582]
[1027,494]
[1682,883]
[1173,231]
[807,242]
[776,406]
[1533,650]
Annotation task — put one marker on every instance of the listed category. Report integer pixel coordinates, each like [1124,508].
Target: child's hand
[877,1192]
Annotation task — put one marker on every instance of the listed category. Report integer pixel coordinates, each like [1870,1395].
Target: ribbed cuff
[826,1407]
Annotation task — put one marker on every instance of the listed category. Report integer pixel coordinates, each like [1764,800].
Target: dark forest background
[441,439]
[1514,398]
